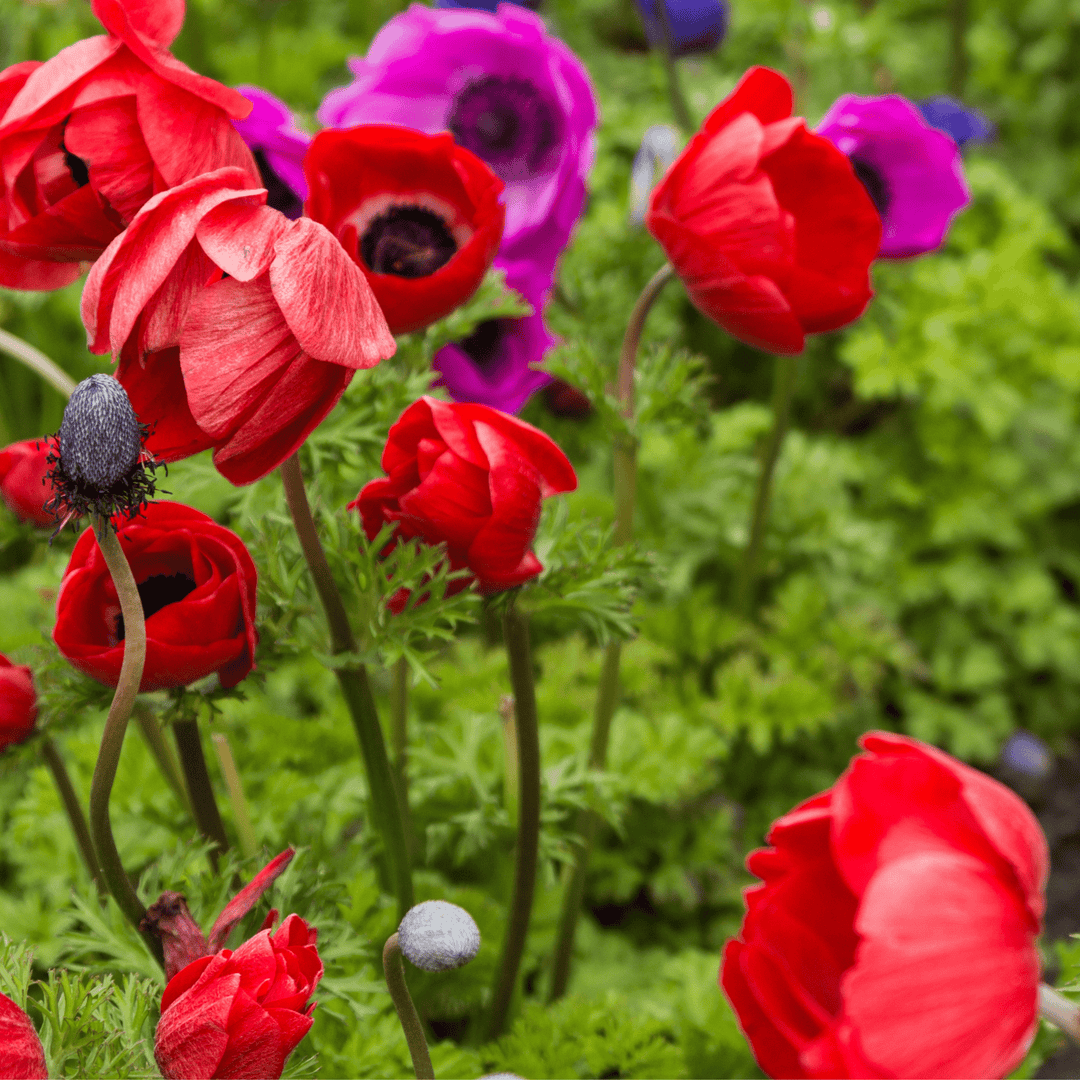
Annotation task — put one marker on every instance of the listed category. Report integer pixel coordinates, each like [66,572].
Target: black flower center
[408,241]
[875,184]
[279,195]
[508,123]
[156,592]
[484,345]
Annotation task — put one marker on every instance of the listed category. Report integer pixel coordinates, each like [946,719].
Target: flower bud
[100,438]
[438,936]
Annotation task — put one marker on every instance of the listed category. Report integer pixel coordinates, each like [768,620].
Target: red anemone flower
[247,363]
[417,213]
[88,136]
[894,932]
[18,703]
[23,485]
[766,222]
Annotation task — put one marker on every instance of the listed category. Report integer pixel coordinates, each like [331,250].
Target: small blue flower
[696,26]
[957,121]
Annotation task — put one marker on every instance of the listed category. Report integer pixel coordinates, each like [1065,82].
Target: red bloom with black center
[88,136]
[417,213]
[18,703]
[470,477]
[766,222]
[197,585]
[23,486]
[894,932]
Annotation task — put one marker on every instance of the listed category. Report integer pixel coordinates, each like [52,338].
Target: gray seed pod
[437,936]
[100,437]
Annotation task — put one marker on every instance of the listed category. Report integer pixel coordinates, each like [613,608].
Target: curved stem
[680,108]
[241,815]
[200,790]
[355,689]
[1060,1011]
[37,361]
[394,970]
[607,696]
[516,633]
[74,810]
[783,388]
[112,739]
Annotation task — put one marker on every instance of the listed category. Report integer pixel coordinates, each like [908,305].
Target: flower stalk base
[406,1010]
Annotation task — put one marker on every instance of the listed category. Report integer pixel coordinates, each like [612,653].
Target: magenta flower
[278,146]
[912,171]
[508,91]
[493,365]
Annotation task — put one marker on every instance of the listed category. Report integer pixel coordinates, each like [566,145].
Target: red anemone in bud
[473,478]
[88,136]
[894,932]
[21,1055]
[23,486]
[234,327]
[18,703]
[766,222]
[419,214]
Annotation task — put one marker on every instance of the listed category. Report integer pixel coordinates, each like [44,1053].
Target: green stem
[112,738]
[241,816]
[394,970]
[783,388]
[355,689]
[200,789]
[607,697]
[37,361]
[958,66]
[74,810]
[680,108]
[150,728]
[516,634]
[511,774]
[399,736]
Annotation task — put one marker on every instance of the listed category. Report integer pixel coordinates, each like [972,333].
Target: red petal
[555,473]
[240,238]
[156,21]
[451,504]
[254,1051]
[761,91]
[247,898]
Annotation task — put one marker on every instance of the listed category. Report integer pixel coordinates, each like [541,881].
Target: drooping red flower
[21,1054]
[23,486]
[894,934]
[765,222]
[197,583]
[419,214]
[471,477]
[18,703]
[247,363]
[88,136]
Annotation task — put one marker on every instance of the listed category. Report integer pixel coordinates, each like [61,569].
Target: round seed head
[100,437]
[437,936]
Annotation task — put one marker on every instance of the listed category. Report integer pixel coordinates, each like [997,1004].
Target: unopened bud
[437,936]
[100,437]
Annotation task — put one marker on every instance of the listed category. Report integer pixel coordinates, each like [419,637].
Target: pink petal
[240,238]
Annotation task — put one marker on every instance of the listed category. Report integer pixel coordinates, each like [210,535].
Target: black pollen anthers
[99,464]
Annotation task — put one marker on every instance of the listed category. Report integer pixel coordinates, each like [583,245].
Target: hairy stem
[154,736]
[607,697]
[200,790]
[516,633]
[241,815]
[355,689]
[37,361]
[783,388]
[394,969]
[1060,1011]
[75,814]
[112,739]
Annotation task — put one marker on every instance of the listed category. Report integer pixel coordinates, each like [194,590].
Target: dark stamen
[76,166]
[875,184]
[483,346]
[508,123]
[408,241]
[279,195]
[156,592]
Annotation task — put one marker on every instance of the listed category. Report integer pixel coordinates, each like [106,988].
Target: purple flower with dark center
[695,26]
[493,365]
[912,171]
[509,92]
[279,147]
[963,124]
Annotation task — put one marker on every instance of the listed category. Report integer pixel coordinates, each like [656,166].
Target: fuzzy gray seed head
[437,936]
[100,437]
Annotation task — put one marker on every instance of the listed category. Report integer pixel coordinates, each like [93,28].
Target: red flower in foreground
[765,222]
[249,363]
[18,704]
[23,487]
[228,1014]
[417,213]
[21,1055]
[88,136]
[471,477]
[894,934]
[197,584]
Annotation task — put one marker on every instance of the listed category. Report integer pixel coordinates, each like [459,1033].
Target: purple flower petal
[279,147]
[962,124]
[913,172]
